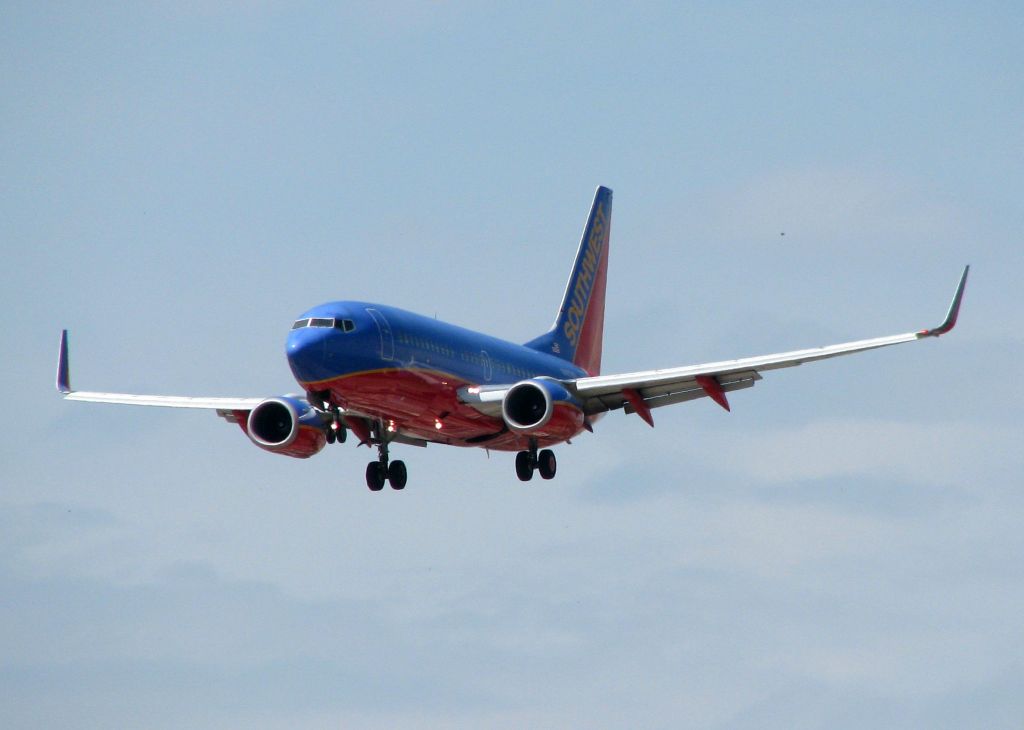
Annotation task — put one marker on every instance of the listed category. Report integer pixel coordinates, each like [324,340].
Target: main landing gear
[381,471]
[530,460]
[378,473]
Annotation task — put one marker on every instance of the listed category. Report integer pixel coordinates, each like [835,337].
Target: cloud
[964,455]
[466,605]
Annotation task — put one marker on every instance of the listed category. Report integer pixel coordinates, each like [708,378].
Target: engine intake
[530,404]
[286,426]
[273,423]
[527,406]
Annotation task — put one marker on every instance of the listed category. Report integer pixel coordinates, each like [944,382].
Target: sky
[842,550]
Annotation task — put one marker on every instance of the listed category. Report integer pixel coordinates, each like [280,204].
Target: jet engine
[541,407]
[286,425]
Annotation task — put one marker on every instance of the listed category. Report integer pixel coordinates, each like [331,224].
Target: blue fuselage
[397,365]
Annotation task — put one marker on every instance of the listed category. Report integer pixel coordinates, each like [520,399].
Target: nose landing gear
[334,429]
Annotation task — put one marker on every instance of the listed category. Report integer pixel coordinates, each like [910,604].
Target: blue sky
[842,550]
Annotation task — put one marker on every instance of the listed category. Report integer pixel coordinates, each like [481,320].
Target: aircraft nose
[307,353]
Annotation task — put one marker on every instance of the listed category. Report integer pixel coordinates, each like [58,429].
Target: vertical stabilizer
[579,327]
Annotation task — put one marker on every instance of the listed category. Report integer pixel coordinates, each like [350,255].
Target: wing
[227,408]
[640,392]
[224,406]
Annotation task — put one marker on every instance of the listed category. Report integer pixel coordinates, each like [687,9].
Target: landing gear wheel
[397,475]
[331,436]
[341,433]
[547,464]
[376,473]
[524,466]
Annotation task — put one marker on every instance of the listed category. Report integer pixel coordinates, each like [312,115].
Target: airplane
[394,377]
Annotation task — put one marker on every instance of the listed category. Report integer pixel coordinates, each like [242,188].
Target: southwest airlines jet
[394,377]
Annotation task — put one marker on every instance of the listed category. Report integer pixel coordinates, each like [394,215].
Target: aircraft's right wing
[641,391]
[225,407]
[232,410]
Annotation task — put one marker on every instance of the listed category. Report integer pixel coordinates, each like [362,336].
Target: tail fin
[577,332]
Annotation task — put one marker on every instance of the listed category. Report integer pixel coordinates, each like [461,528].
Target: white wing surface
[641,391]
[222,405]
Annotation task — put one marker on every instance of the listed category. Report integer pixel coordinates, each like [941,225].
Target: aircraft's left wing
[641,391]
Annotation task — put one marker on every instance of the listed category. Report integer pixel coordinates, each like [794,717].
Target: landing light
[391,427]
[437,424]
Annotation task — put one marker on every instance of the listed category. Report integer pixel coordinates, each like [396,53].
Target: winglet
[63,377]
[954,310]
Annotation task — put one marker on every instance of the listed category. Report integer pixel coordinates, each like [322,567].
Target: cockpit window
[345,325]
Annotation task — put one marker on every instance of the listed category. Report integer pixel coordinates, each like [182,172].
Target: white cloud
[952,454]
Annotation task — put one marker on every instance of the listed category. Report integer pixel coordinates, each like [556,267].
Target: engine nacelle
[542,408]
[286,426]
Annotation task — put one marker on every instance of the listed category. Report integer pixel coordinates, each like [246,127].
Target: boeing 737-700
[394,377]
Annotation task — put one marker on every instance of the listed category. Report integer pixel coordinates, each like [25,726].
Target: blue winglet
[954,309]
[63,377]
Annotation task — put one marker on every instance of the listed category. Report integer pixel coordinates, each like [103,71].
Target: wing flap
[665,394]
[682,396]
